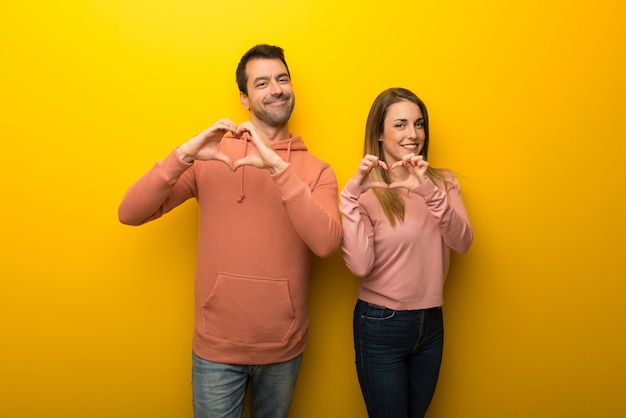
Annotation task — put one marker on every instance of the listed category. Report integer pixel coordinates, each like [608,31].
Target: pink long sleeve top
[403,267]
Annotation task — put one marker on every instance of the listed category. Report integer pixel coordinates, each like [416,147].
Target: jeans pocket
[371,312]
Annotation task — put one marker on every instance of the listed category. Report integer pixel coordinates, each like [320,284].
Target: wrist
[276,168]
[183,155]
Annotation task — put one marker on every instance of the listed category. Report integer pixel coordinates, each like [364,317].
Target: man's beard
[275,117]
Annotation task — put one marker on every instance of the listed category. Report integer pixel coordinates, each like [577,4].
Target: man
[265,206]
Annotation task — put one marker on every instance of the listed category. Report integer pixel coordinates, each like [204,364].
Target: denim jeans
[398,356]
[219,390]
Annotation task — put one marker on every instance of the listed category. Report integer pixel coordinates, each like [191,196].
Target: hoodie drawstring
[242,195]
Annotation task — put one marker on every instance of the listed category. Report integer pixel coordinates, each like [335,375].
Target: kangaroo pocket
[249,310]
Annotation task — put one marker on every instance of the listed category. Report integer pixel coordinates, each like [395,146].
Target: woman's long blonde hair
[390,200]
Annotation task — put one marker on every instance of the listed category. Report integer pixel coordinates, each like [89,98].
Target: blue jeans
[219,390]
[398,356]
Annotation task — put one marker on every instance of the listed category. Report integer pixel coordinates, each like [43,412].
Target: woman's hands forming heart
[415,165]
[362,176]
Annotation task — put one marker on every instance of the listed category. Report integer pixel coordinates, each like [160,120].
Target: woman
[401,218]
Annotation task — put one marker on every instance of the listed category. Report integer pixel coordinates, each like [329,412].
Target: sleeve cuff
[424,189]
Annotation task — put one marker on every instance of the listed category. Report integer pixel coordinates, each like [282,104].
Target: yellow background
[527,103]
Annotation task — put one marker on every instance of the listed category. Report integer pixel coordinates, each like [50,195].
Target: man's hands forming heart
[206,146]
[414,164]
[261,155]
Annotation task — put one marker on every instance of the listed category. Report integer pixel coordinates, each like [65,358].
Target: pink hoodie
[253,254]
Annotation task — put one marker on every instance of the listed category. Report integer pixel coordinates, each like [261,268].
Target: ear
[244,100]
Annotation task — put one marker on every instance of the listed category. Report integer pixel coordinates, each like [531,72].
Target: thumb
[379,185]
[397,185]
[224,158]
[240,163]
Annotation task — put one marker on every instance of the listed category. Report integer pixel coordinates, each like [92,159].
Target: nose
[275,88]
[412,132]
